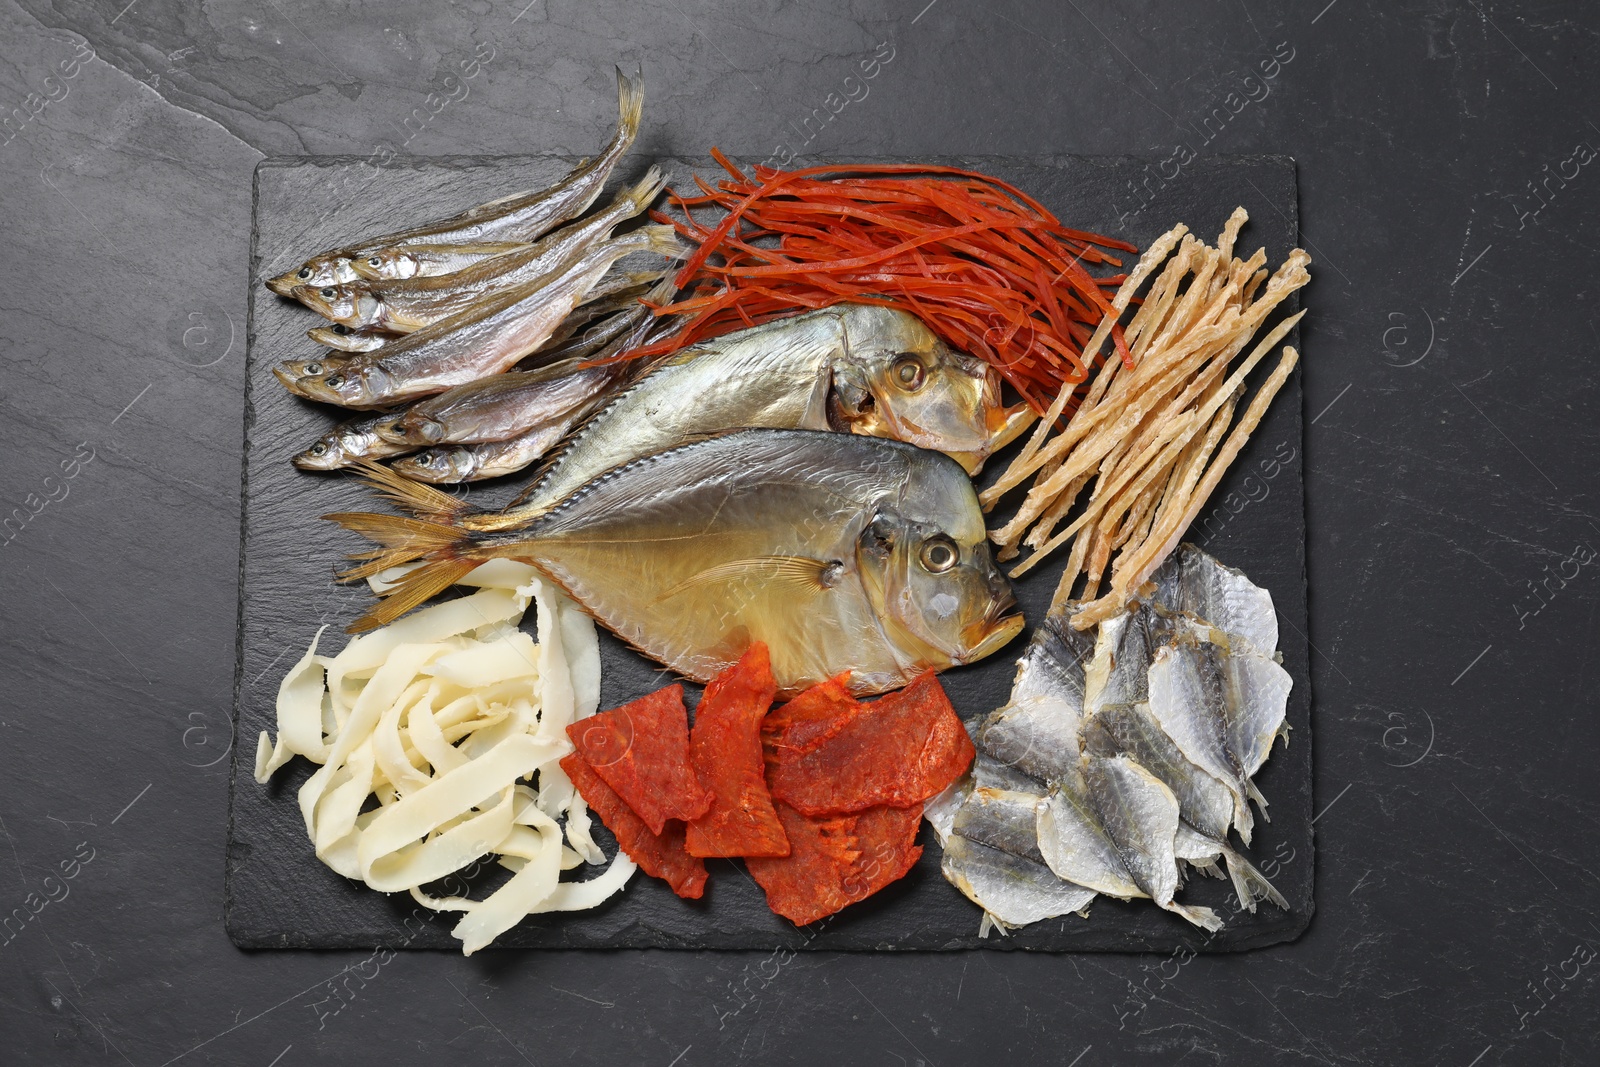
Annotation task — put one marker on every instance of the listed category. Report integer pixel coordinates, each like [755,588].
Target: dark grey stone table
[1447,194]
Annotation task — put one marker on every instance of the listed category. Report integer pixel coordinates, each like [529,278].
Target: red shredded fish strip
[899,750]
[641,750]
[660,855]
[984,265]
[725,750]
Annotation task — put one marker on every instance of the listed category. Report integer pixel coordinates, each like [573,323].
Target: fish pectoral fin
[802,572]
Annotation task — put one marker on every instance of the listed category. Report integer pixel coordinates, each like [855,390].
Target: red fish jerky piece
[900,750]
[810,718]
[836,860]
[725,751]
[658,855]
[642,751]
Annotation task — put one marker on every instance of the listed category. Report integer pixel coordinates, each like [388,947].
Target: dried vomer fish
[519,217]
[840,552]
[857,367]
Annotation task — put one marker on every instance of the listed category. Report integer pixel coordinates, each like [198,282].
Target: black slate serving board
[280,896]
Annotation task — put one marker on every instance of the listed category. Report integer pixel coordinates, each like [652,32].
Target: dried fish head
[927,566]
[352,385]
[350,441]
[329,268]
[899,380]
[395,262]
[450,464]
[348,305]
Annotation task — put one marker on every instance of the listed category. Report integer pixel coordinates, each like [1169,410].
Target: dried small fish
[486,339]
[1111,828]
[1204,804]
[344,339]
[1223,707]
[403,306]
[1014,891]
[430,260]
[350,442]
[519,217]
[501,406]
[453,464]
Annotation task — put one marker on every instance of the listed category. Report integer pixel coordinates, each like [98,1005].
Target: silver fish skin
[785,375]
[1012,890]
[1193,581]
[399,262]
[454,464]
[486,339]
[816,543]
[1205,805]
[1002,818]
[501,406]
[613,311]
[402,306]
[350,442]
[349,342]
[1112,828]
[1223,708]
[1038,732]
[518,217]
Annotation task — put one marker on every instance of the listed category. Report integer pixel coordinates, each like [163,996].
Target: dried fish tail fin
[1202,917]
[420,499]
[446,550]
[1249,883]
[630,107]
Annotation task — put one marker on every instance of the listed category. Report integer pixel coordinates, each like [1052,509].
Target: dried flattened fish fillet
[1223,709]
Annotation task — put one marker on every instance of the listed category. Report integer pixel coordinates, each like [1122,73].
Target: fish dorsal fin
[802,574]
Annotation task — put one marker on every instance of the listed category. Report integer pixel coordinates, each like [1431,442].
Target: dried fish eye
[318,449]
[938,554]
[908,371]
[340,328]
[305,273]
[425,459]
[328,294]
[333,381]
[313,368]
[375,261]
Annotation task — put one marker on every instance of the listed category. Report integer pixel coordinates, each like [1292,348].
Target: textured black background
[1448,453]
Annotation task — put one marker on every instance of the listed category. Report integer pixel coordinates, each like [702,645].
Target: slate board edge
[1292,926]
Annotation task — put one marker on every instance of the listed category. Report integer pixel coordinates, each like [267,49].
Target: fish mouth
[1007,424]
[283,284]
[1000,632]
